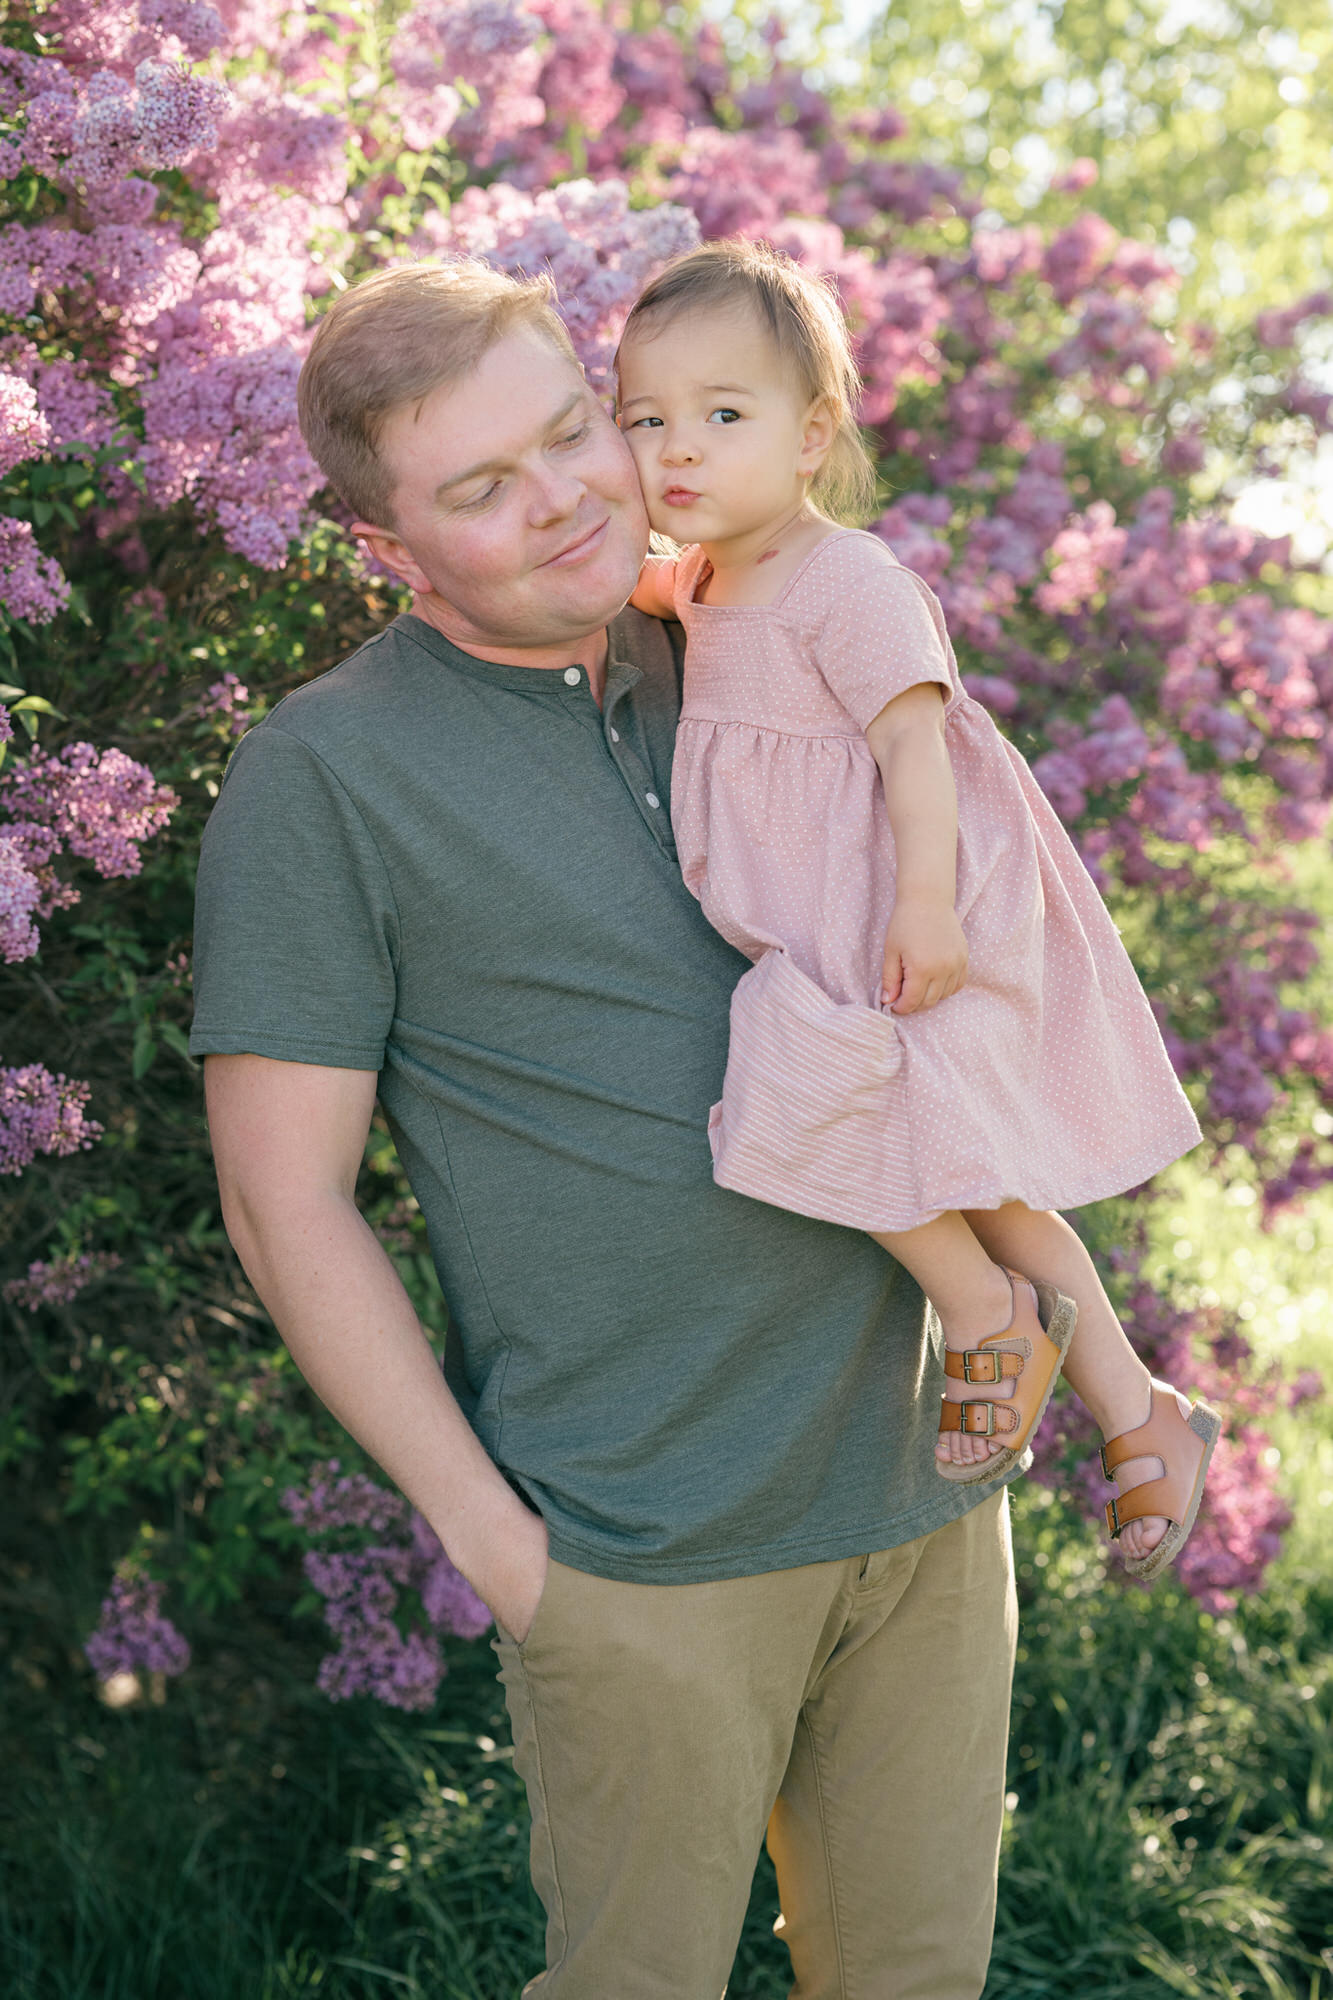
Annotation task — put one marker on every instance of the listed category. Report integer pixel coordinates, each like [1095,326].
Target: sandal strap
[1154,1496]
[1181,1445]
[979,1418]
[985,1364]
[1160,1435]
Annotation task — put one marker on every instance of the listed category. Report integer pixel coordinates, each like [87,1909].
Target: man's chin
[603,598]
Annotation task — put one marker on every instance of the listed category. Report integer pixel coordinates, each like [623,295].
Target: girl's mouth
[679,496]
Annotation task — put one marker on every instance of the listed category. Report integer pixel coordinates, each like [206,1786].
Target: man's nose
[556,495]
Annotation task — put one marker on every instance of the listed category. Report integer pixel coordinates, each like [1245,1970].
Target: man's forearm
[340,1307]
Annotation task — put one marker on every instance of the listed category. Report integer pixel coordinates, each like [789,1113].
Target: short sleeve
[295,926]
[688,568]
[881,630]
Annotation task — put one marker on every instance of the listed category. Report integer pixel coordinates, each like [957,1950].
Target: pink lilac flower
[912,528]
[1277,326]
[1079,174]
[448,1599]
[74,415]
[373,1657]
[747,183]
[578,82]
[227,699]
[1077,255]
[492,46]
[1113,335]
[272,138]
[20,900]
[132,1635]
[1085,555]
[335,1499]
[41,1113]
[177,114]
[101,804]
[24,431]
[1001,255]
[362,1589]
[32,585]
[59,1282]
[599,251]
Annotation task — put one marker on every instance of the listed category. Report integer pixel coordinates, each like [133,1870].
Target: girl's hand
[925,956]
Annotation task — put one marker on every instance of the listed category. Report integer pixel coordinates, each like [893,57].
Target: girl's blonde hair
[802,316]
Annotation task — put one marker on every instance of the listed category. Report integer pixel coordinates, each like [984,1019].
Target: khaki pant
[858,1710]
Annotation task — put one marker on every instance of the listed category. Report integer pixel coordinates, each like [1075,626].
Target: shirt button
[653,800]
[615,736]
[572,677]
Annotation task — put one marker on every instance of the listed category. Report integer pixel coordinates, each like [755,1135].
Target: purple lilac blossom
[101,804]
[132,1635]
[58,1282]
[41,1113]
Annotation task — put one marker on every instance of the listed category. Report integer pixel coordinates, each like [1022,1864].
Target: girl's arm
[655,591]
[925,951]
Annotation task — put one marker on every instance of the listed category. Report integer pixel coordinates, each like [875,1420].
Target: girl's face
[723,440]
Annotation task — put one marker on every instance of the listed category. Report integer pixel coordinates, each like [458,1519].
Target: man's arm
[288,1140]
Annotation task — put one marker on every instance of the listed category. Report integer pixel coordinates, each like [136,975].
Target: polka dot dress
[1044,1079]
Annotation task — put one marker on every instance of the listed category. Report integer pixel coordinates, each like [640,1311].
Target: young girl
[941,1040]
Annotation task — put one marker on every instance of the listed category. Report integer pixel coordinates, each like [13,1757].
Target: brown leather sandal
[1182,1447]
[1030,1353]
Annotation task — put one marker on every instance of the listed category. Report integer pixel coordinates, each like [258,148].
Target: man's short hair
[390,341]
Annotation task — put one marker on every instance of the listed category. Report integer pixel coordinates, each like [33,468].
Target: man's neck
[589,652]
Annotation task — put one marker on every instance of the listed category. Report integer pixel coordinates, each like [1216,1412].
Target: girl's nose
[679,451]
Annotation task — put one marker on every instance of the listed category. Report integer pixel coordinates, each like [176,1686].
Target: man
[682,1443]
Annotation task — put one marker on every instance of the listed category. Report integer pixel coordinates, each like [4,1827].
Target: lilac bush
[185,185]
[395,1551]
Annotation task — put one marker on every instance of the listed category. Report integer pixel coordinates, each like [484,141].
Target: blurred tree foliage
[1208,120]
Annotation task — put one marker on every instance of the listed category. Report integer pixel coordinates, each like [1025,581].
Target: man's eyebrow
[498,464]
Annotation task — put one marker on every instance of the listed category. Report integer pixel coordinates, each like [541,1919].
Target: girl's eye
[641,423]
[724,416]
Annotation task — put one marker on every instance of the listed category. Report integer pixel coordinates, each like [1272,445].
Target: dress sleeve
[685,582]
[881,632]
[295,937]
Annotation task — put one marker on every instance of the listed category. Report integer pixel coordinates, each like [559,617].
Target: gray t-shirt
[461,875]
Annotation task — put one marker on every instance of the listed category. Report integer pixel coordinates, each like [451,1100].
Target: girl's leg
[972,1298]
[1101,1367]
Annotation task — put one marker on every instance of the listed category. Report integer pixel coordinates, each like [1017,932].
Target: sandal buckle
[972,1355]
[966,1426]
[1113,1517]
[1107,1473]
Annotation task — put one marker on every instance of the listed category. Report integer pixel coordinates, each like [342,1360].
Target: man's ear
[817,437]
[393,555]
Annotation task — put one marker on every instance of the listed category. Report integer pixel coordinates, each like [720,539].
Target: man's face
[518,517]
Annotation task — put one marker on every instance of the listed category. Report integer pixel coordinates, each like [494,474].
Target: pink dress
[1044,1079]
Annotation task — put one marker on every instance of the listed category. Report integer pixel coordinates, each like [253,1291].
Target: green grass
[1171,1823]
[1170,1829]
